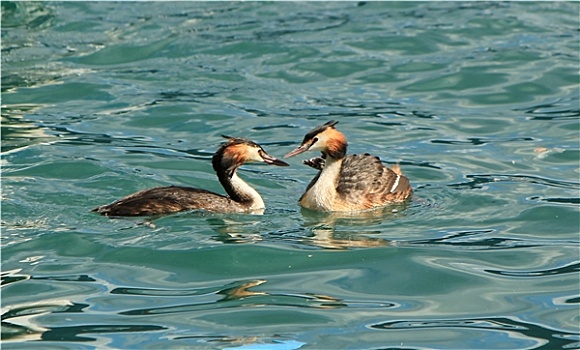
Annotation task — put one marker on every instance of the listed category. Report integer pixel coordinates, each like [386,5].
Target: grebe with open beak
[242,198]
[347,182]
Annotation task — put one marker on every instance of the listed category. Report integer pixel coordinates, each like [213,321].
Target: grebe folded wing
[165,200]
[365,180]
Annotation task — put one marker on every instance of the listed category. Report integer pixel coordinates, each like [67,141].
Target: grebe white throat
[241,186]
[322,195]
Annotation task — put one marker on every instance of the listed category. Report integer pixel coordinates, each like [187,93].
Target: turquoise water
[478,102]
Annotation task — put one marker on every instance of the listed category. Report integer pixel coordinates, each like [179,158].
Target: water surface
[478,103]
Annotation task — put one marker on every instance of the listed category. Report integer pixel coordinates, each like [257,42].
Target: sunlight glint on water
[477,102]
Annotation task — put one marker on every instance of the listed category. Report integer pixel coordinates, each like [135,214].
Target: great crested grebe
[171,199]
[347,183]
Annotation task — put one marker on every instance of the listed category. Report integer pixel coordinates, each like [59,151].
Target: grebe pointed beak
[297,151]
[268,159]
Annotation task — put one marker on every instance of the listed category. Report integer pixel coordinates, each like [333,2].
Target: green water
[477,101]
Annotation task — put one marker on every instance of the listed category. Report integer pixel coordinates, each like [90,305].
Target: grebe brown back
[171,199]
[347,183]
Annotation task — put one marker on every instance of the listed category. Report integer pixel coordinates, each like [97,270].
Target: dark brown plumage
[171,199]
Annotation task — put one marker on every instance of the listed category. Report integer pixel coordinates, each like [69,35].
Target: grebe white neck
[322,195]
[246,191]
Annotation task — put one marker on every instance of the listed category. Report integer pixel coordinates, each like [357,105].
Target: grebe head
[324,138]
[237,151]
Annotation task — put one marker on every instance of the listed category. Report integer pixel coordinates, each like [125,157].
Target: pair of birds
[343,183]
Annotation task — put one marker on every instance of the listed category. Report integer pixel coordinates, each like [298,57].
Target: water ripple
[560,110]
[478,180]
[477,141]
[238,294]
[540,336]
[472,240]
[477,101]
[563,270]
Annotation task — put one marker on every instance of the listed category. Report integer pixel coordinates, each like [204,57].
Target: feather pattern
[348,182]
[171,199]
[364,180]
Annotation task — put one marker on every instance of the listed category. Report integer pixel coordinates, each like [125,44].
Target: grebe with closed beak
[347,182]
[242,198]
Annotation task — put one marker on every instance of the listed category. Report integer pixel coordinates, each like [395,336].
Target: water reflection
[245,342]
[233,291]
[337,231]
[74,333]
[30,15]
[18,132]
[443,88]
[321,230]
[475,239]
[234,295]
[477,141]
[560,110]
[561,270]
[477,181]
[18,323]
[538,336]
